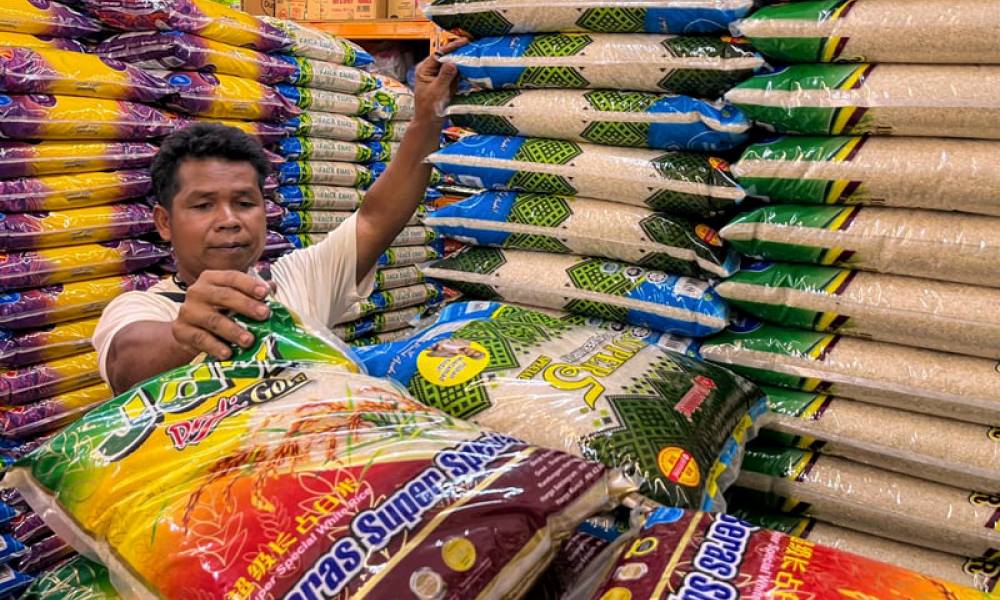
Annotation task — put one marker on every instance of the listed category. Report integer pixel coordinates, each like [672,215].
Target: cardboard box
[291,9]
[401,9]
[351,10]
[267,8]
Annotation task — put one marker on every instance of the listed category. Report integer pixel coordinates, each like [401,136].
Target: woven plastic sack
[902,310]
[589,286]
[22,231]
[688,553]
[18,349]
[885,99]
[332,126]
[599,393]
[45,117]
[25,159]
[676,182]
[38,268]
[308,72]
[324,101]
[66,302]
[43,380]
[61,192]
[319,45]
[502,17]
[919,243]
[44,17]
[51,71]
[695,66]
[934,383]
[266,133]
[630,119]
[227,97]
[565,225]
[380,302]
[175,50]
[319,464]
[26,40]
[339,174]
[885,31]
[314,148]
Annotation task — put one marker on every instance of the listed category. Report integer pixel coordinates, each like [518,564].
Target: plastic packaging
[45,553]
[380,302]
[227,97]
[677,182]
[332,126]
[67,302]
[393,320]
[692,65]
[76,263]
[43,380]
[565,225]
[61,192]
[961,101]
[44,17]
[20,231]
[13,582]
[87,580]
[390,103]
[315,148]
[10,548]
[309,72]
[397,277]
[18,349]
[324,173]
[44,117]
[28,420]
[319,197]
[616,118]
[26,40]
[319,45]
[324,101]
[266,133]
[26,159]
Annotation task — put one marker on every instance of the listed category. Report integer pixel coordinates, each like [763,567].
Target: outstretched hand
[436,84]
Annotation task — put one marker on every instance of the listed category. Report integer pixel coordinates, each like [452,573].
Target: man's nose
[225,217]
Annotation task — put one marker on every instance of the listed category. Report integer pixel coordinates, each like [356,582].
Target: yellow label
[459,554]
[452,362]
[617,593]
[679,466]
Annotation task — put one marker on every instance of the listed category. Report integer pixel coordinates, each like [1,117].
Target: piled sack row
[875,283]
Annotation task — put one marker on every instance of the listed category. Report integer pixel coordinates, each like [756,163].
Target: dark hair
[204,140]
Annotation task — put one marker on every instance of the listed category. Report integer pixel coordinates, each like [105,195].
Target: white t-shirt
[318,282]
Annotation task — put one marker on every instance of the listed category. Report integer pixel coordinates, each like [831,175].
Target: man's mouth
[233,247]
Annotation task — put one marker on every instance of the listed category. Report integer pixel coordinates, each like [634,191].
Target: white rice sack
[678,182]
[692,65]
[384,301]
[324,101]
[885,99]
[392,102]
[882,503]
[319,197]
[936,448]
[397,277]
[377,339]
[931,173]
[589,286]
[565,225]
[394,320]
[881,31]
[338,174]
[315,148]
[919,243]
[333,126]
[501,17]
[631,119]
[902,310]
[329,76]
[319,45]
[934,383]
[317,221]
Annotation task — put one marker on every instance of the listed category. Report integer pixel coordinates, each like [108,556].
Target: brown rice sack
[936,174]
[924,381]
[940,449]
[845,493]
[885,99]
[976,573]
[883,31]
[902,310]
[919,243]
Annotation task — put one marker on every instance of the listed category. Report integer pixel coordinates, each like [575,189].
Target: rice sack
[397,277]
[881,31]
[919,243]
[183,51]
[902,310]
[934,383]
[564,225]
[333,126]
[501,17]
[393,320]
[327,76]
[319,197]
[27,159]
[44,17]
[266,133]
[319,465]
[315,148]
[60,192]
[673,553]
[884,99]
[599,393]
[18,349]
[51,71]
[42,416]
[45,117]
[589,286]
[323,100]
[43,380]
[678,182]
[83,578]
[66,302]
[22,231]
[936,174]
[227,97]
[630,119]
[690,65]
[26,40]
[395,299]
[337,174]
[75,263]
[319,45]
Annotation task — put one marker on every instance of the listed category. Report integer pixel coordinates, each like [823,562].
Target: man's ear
[161,218]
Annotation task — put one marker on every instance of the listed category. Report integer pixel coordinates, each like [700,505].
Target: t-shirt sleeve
[321,281]
[129,308]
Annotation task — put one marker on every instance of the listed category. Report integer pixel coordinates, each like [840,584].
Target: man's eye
[201,206]
[247,203]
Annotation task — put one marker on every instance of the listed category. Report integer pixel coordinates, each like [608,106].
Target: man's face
[217,219]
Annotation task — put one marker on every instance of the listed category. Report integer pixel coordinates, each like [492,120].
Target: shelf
[384,29]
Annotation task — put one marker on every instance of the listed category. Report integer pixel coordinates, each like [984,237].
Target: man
[208,181]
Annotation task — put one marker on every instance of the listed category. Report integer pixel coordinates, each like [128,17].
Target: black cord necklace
[180,284]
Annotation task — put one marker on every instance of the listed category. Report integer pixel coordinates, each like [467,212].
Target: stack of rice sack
[877,289]
[598,173]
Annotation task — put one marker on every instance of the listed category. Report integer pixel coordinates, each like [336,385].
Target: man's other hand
[203,324]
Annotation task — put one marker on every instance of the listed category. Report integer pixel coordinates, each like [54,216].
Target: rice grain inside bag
[880,31]
[936,174]
[616,118]
[604,394]
[691,65]
[919,243]
[565,225]
[924,381]
[960,101]
[677,182]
